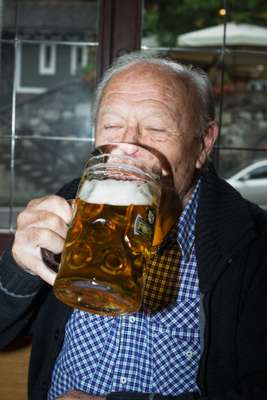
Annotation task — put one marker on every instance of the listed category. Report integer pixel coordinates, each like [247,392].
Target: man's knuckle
[45,235]
[44,216]
[20,219]
[56,200]
[53,221]
[33,202]
[37,235]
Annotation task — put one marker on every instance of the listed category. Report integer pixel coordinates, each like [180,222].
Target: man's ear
[207,143]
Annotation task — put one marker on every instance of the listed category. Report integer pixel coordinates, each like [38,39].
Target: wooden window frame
[119,32]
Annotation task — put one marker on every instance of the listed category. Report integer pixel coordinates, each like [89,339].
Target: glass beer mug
[102,268]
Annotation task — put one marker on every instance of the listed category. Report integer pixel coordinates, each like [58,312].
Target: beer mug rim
[123,162]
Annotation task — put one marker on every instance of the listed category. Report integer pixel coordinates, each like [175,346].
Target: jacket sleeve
[19,294]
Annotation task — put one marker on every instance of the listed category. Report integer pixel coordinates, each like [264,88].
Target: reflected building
[47,82]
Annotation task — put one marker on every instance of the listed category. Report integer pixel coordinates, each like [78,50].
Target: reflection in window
[248,12]
[67,20]
[47,59]
[79,58]
[165,20]
[44,166]
[259,173]
[192,32]
[45,132]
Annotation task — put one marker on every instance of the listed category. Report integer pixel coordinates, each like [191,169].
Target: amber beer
[102,266]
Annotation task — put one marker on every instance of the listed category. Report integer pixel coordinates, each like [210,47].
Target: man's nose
[132,134]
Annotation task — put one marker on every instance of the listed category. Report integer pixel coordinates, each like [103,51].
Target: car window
[258,173]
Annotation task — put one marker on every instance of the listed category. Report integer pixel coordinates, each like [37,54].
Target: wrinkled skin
[147,106]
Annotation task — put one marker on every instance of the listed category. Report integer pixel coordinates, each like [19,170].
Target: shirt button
[189,354]
[123,380]
[132,319]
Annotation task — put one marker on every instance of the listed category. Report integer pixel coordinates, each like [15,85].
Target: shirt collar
[183,232]
[186,223]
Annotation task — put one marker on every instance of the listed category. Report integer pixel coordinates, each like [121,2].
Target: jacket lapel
[223,226]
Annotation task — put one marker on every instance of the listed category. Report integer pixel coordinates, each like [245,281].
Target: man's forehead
[145,79]
[139,73]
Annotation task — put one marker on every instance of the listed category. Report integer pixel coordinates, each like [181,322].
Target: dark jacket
[231,248]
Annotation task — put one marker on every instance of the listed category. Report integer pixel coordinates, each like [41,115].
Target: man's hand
[43,223]
[77,395]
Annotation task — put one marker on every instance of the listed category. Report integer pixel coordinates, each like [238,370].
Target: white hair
[198,81]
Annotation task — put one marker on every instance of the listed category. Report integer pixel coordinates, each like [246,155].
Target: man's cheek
[101,137]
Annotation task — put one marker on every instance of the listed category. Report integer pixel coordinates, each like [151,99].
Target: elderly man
[208,340]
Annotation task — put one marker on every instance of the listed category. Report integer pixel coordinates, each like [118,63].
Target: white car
[251,182]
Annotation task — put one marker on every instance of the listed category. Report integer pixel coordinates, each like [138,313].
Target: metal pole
[222,65]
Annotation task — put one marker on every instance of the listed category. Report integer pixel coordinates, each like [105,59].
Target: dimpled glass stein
[102,268]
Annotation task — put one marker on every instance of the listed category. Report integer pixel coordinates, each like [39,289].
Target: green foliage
[169,18]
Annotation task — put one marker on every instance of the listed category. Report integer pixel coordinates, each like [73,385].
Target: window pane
[52,93]
[247,24]
[5,147]
[244,119]
[56,104]
[246,71]
[6,86]
[61,20]
[43,166]
[234,160]
[164,22]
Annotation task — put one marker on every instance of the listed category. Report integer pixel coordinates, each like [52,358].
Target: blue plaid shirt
[155,350]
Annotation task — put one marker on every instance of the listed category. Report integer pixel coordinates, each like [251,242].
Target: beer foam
[115,192]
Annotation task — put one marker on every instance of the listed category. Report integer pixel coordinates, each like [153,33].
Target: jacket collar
[223,226]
